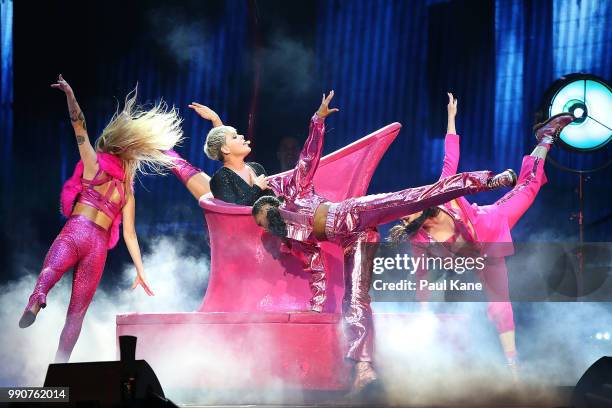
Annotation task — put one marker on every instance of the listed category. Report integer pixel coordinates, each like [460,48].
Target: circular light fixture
[589,99]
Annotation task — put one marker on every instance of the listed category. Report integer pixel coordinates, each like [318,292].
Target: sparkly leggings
[81,244]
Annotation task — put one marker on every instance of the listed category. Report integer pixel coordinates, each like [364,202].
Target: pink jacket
[489,225]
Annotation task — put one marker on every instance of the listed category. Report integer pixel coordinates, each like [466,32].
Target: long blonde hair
[137,136]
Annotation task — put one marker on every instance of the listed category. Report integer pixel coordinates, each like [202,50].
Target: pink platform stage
[233,350]
[253,328]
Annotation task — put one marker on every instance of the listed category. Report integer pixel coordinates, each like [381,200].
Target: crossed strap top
[102,202]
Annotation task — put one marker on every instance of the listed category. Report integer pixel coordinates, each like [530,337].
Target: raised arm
[206,113]
[451,142]
[311,152]
[131,241]
[86,150]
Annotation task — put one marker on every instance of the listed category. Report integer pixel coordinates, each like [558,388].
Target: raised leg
[62,255]
[517,201]
[360,213]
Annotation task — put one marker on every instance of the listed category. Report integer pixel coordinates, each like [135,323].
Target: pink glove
[182,169]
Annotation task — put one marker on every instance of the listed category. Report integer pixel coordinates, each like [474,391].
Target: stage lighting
[599,336]
[606,336]
[589,99]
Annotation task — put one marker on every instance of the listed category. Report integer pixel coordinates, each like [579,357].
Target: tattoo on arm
[80,139]
[82,119]
[75,112]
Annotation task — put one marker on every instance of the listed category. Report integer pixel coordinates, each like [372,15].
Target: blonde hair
[138,136]
[215,140]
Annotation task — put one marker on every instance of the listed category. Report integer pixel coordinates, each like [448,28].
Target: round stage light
[606,336]
[589,99]
[599,336]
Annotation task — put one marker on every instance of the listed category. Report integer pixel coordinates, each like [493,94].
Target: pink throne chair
[253,328]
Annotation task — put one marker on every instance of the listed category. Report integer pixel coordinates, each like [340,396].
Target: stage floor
[524,397]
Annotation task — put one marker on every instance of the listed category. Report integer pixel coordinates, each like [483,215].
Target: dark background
[262,65]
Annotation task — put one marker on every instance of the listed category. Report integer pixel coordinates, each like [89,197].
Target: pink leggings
[81,244]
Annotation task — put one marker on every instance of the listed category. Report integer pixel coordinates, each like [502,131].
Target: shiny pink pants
[511,206]
[351,224]
[81,244]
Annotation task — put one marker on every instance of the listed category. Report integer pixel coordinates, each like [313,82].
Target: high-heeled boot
[364,378]
[549,130]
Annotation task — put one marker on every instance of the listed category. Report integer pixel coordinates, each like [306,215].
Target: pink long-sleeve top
[297,188]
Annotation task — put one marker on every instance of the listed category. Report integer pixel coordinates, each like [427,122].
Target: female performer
[237,182]
[96,199]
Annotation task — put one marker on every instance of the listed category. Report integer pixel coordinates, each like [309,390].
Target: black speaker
[594,389]
[113,384]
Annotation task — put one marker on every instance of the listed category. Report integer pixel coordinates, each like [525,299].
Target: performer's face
[408,219]
[235,144]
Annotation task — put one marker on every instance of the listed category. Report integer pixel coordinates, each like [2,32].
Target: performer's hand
[62,85]
[259,181]
[324,110]
[206,113]
[140,281]
[452,105]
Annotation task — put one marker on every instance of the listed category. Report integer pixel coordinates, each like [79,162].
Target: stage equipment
[126,383]
[589,98]
[594,389]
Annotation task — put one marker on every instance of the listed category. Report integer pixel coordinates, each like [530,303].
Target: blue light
[591,101]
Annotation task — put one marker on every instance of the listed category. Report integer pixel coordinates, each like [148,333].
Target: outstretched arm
[206,113]
[198,185]
[451,142]
[131,241]
[313,147]
[86,150]
[196,181]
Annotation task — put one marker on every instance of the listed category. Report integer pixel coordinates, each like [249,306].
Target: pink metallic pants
[359,251]
[511,206]
[351,224]
[81,244]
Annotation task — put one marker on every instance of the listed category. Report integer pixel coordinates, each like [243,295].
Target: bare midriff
[320,218]
[94,214]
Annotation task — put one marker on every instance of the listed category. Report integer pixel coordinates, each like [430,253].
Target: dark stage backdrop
[263,66]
